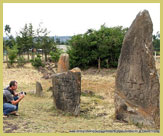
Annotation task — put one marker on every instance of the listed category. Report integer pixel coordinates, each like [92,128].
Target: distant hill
[62,38]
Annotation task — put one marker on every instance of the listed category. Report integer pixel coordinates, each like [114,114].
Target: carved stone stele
[137,91]
[67,91]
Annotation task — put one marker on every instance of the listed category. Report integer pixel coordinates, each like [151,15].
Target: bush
[12,54]
[21,61]
[55,55]
[96,48]
[37,62]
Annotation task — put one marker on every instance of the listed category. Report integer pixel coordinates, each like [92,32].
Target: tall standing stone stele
[137,84]
[63,63]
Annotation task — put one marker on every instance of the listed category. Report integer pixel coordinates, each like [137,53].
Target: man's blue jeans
[8,107]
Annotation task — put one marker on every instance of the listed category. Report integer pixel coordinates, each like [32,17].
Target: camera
[23,93]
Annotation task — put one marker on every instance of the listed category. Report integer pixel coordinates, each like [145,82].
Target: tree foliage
[9,41]
[30,40]
[44,41]
[25,39]
[156,42]
[37,62]
[97,47]
[55,54]
[12,54]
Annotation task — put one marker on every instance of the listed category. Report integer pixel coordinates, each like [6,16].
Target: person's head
[13,85]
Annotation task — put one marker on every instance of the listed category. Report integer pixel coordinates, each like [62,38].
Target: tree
[100,48]
[47,45]
[79,51]
[7,30]
[31,39]
[25,40]
[55,54]
[9,41]
[156,42]
[44,41]
[58,41]
[12,53]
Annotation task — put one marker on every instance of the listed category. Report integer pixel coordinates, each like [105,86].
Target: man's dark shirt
[8,95]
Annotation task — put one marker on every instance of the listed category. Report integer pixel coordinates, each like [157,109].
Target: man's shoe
[11,113]
[14,113]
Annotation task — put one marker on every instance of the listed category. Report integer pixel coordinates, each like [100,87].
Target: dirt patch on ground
[9,127]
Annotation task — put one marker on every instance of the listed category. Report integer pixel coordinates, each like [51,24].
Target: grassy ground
[37,114]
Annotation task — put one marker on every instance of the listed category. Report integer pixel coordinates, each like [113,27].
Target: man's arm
[18,100]
[15,94]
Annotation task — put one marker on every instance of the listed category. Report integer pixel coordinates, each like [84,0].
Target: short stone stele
[39,90]
[67,91]
[137,83]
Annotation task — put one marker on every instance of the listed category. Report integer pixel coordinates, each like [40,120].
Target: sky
[68,19]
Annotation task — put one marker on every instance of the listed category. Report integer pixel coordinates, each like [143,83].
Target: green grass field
[38,114]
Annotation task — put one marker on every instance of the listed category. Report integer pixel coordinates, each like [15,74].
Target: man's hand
[21,96]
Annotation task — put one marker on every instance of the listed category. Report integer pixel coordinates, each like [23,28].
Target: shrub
[12,54]
[54,55]
[21,61]
[37,62]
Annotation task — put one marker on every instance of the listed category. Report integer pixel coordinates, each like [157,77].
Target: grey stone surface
[137,83]
[67,91]
[39,90]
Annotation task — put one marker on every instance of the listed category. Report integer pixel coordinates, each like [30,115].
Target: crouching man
[11,99]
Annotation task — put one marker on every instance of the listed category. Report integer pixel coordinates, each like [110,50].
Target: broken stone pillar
[76,69]
[63,63]
[38,89]
[67,91]
[137,84]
